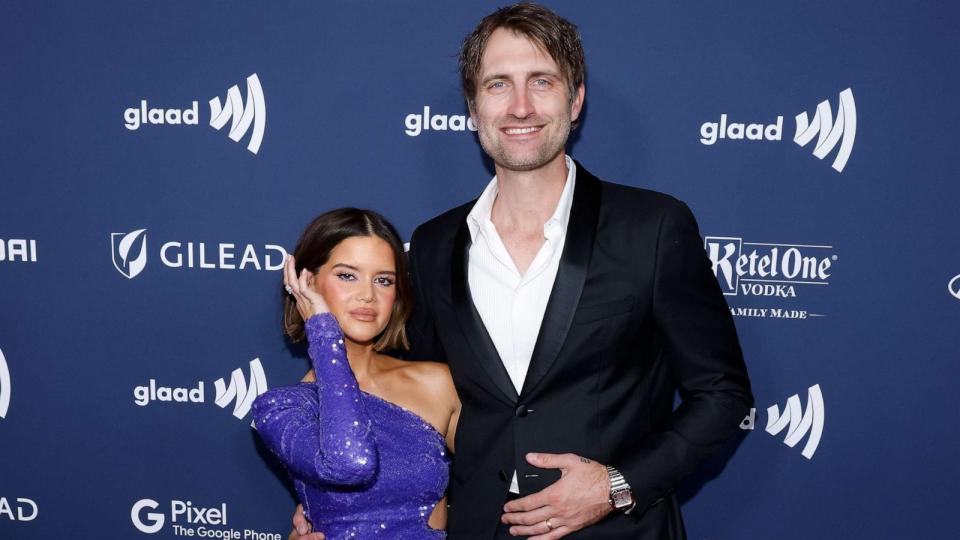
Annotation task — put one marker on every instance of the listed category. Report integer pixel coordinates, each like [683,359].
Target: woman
[364,442]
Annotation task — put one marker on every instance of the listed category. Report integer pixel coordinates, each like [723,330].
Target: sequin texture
[362,466]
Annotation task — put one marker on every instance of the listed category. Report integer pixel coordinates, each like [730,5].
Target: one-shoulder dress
[362,466]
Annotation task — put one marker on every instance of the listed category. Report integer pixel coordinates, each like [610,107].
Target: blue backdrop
[139,298]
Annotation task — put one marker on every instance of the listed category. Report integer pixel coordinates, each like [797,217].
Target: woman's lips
[364,314]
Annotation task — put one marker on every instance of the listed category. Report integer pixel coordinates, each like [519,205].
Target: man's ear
[576,105]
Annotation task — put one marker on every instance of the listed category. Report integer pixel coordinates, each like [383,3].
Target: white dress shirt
[512,304]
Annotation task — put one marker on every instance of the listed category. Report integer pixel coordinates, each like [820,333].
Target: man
[570,311]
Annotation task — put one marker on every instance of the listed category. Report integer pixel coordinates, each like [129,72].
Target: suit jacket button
[521,411]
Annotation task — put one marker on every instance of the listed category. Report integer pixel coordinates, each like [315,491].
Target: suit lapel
[478,340]
[581,232]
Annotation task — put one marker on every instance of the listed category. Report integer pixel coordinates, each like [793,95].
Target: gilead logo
[129,252]
[21,509]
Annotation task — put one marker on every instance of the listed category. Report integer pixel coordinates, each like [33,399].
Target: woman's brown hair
[313,249]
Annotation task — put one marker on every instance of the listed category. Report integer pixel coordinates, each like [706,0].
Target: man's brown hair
[557,36]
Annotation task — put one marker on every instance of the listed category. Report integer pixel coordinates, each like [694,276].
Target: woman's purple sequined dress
[362,466]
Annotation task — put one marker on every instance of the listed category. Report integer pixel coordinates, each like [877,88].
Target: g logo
[954,287]
[155,520]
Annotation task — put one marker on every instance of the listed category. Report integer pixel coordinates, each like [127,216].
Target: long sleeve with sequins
[321,431]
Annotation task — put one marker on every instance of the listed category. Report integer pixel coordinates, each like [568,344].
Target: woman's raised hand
[309,301]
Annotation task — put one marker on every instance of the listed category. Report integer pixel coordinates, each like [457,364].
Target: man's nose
[520,104]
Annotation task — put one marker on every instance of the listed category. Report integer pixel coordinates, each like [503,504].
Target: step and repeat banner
[159,159]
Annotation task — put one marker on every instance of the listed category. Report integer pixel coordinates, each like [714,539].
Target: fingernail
[301,530]
[533,455]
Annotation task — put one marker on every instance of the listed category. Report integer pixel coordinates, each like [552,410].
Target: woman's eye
[344,276]
[385,281]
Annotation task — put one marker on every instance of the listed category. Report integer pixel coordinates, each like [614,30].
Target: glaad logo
[129,252]
[255,111]
[130,255]
[238,391]
[4,386]
[768,270]
[953,287]
[18,249]
[26,509]
[829,131]
[417,123]
[797,421]
[241,115]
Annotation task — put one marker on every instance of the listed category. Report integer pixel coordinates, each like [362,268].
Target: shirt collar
[480,213]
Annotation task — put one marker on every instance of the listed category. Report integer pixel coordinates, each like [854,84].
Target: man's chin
[525,163]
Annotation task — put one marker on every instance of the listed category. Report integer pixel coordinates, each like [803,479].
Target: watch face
[622,499]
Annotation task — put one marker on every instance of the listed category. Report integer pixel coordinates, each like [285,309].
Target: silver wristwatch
[621,496]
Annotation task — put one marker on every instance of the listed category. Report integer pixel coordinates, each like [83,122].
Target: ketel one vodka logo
[829,130]
[757,270]
[244,117]
[764,269]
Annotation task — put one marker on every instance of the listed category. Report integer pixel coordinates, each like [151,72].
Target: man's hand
[302,527]
[580,498]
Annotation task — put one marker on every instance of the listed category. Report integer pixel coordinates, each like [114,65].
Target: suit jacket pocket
[604,310]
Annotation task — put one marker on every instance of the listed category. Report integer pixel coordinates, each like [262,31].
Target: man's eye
[496,84]
[541,82]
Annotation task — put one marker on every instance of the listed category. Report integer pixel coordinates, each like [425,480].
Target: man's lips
[520,130]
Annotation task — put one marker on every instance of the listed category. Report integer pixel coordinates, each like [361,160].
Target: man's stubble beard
[546,153]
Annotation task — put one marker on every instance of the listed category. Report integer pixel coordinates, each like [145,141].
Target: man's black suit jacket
[635,315]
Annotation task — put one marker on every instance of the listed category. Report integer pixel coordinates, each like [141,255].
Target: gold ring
[547,523]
